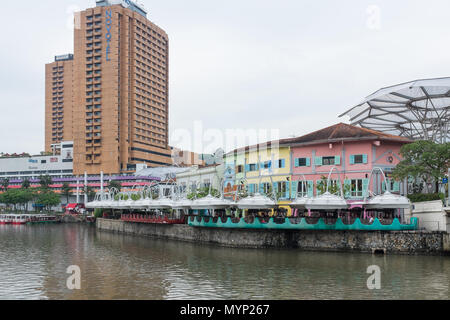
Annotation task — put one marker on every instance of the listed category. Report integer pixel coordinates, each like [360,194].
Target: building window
[302,189]
[357,188]
[266,165]
[266,188]
[358,159]
[281,163]
[240,169]
[282,188]
[302,162]
[328,161]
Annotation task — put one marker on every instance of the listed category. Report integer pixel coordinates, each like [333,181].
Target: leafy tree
[98,213]
[115,184]
[48,199]
[424,160]
[66,191]
[5,184]
[90,193]
[16,197]
[26,184]
[45,182]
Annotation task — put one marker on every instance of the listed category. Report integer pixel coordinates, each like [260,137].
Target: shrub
[98,213]
[422,197]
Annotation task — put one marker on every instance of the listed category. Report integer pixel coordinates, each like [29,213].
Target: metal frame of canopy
[418,109]
[258,200]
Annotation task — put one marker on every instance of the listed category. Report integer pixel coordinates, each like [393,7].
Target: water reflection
[34,259]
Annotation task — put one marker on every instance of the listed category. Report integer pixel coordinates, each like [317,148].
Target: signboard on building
[64,57]
[108,36]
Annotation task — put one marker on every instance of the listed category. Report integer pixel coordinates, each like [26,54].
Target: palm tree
[115,184]
[45,181]
[26,184]
[90,192]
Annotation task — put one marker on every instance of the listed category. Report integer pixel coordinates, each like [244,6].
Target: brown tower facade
[58,101]
[121,96]
[111,98]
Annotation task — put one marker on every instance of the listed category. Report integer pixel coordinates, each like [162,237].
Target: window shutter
[274,188]
[261,188]
[310,189]
[317,185]
[276,164]
[347,188]
[365,186]
[337,160]
[365,158]
[318,161]
[308,162]
[294,186]
[247,168]
[297,162]
[396,187]
[383,186]
[352,159]
[288,190]
[283,163]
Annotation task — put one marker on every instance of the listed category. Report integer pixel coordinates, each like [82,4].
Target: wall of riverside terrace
[401,242]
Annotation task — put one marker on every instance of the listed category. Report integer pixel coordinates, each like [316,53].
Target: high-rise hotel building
[58,101]
[120,90]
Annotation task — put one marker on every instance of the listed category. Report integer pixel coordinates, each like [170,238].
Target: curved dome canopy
[388,201]
[107,204]
[141,204]
[326,201]
[299,203]
[257,201]
[163,203]
[183,203]
[210,202]
[124,204]
[418,109]
[93,204]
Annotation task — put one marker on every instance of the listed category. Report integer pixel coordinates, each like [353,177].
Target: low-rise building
[58,165]
[201,177]
[286,164]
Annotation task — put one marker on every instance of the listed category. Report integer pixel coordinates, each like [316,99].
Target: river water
[34,262]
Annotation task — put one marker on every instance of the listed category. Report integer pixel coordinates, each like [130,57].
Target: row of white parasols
[326,202]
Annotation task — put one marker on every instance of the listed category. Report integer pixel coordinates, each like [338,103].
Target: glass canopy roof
[419,110]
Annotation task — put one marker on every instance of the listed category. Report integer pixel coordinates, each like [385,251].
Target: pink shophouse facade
[354,151]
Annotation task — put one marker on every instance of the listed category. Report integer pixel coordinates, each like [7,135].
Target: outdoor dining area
[165,203]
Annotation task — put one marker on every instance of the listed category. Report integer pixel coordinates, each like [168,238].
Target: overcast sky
[291,65]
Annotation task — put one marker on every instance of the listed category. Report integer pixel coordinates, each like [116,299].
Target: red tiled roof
[337,132]
[342,131]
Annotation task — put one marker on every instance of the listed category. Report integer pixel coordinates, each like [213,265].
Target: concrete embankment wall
[408,242]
